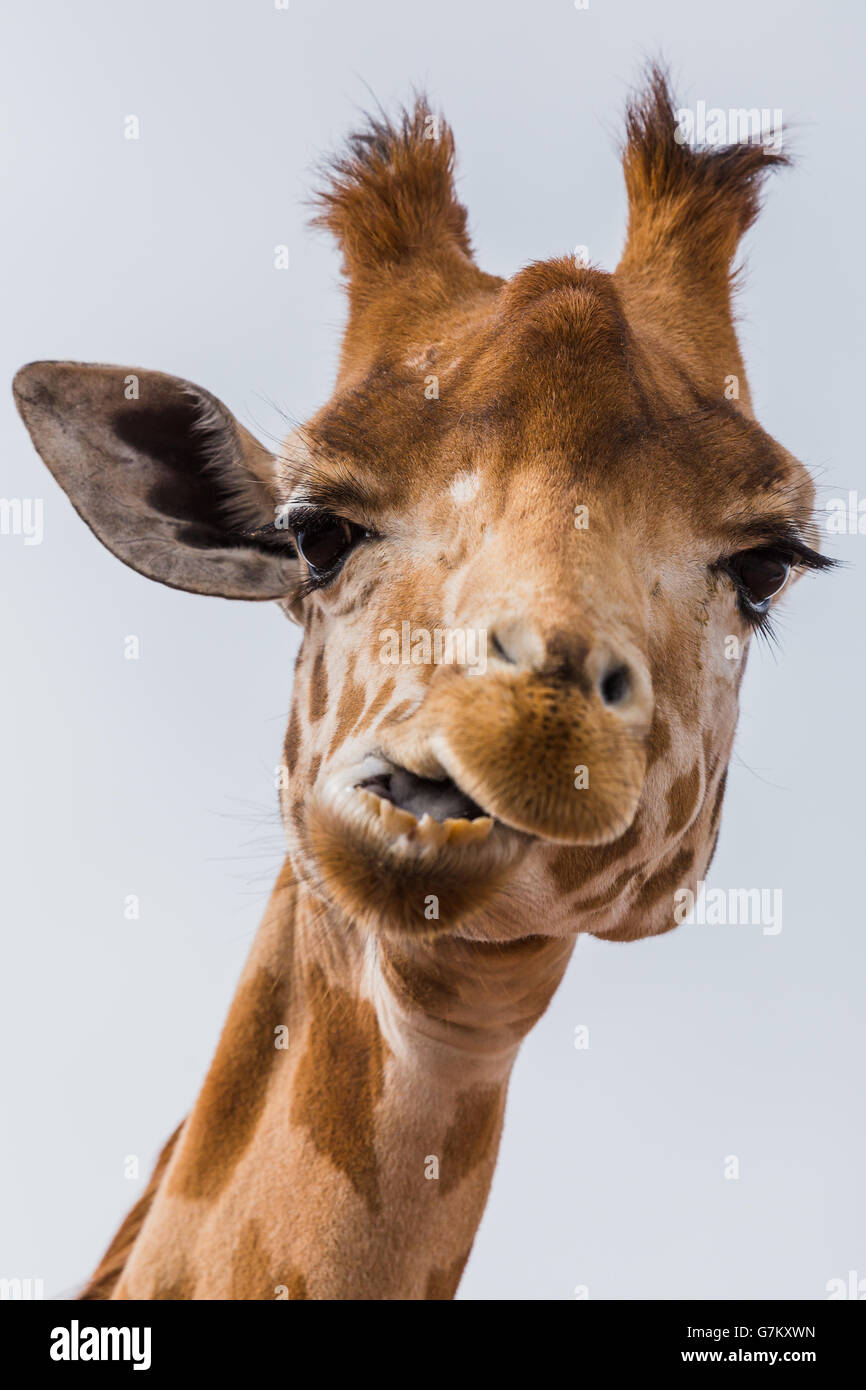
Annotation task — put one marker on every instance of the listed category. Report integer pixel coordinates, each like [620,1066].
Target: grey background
[156,777]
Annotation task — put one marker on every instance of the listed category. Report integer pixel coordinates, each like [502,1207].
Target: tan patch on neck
[472,1134]
[339,1081]
[233,1096]
[179,1285]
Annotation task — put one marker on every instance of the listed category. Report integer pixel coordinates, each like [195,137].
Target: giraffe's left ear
[162,473]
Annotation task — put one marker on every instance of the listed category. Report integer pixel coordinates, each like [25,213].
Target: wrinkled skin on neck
[355,1162]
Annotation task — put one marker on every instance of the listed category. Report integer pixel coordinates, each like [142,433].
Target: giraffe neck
[344,1141]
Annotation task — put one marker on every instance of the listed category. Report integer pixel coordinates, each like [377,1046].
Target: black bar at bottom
[65,1338]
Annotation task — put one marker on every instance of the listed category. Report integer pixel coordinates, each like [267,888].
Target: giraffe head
[529,539]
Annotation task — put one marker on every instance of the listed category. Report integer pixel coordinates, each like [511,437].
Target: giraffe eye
[759,575]
[324,541]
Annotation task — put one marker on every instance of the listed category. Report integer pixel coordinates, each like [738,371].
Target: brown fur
[232,1098]
[339,1083]
[683,800]
[252,1274]
[296,1284]
[442,1283]
[477,1122]
[104,1278]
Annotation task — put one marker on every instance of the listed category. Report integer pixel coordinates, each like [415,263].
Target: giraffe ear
[162,473]
[687,210]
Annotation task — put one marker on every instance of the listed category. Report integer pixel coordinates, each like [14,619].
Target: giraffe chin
[389,855]
[390,869]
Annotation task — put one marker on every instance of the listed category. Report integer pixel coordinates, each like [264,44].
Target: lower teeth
[398,821]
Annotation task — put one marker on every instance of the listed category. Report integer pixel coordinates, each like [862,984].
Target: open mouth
[428,810]
[405,852]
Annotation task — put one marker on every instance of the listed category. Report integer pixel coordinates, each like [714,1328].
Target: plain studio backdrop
[155,777]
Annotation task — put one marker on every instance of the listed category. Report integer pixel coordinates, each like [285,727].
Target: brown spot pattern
[292,740]
[665,881]
[420,985]
[379,701]
[401,710]
[296,1284]
[252,1277]
[613,892]
[318,687]
[233,1096]
[471,1135]
[659,740]
[339,1082]
[352,698]
[572,868]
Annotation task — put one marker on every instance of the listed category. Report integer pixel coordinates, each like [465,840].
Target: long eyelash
[763,625]
[277,535]
[801,556]
[788,540]
[281,527]
[310,585]
[271,537]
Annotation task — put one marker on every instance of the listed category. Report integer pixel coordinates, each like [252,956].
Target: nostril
[615,686]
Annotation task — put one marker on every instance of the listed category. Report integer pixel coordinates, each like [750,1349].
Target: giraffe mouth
[423,796]
[406,852]
[430,810]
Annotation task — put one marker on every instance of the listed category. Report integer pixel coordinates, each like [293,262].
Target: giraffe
[558,464]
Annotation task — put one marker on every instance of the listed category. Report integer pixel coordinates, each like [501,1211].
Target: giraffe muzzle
[539,757]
